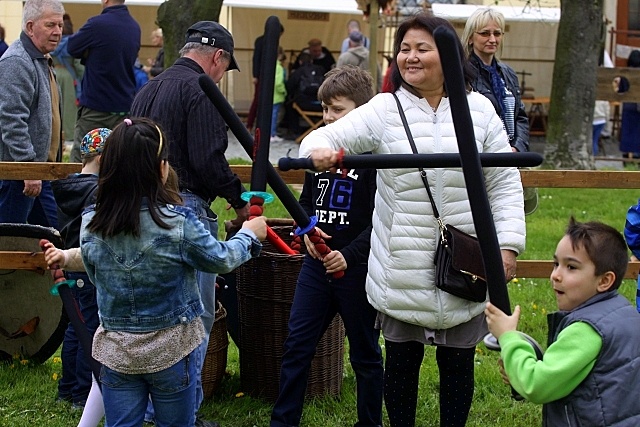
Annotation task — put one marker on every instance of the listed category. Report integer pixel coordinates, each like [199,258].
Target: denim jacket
[148,283]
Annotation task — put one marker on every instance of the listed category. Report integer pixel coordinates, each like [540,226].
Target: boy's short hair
[349,81]
[604,245]
[305,58]
[92,143]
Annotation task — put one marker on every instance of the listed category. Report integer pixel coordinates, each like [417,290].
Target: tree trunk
[176,16]
[574,83]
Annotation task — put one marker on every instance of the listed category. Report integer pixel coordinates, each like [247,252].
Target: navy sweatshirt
[343,206]
[108,46]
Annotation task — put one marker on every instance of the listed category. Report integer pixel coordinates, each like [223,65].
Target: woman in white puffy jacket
[400,283]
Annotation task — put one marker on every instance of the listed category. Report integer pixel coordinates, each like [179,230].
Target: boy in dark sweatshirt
[73,194]
[343,205]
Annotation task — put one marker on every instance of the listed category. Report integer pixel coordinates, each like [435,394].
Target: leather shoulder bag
[458,258]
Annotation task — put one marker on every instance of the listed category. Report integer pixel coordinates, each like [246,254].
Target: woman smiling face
[419,62]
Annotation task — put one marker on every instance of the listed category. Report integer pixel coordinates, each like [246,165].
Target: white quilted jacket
[400,282]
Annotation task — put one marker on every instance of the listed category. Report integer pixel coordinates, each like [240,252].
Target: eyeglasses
[487,33]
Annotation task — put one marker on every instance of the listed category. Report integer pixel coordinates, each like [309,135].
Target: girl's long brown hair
[130,171]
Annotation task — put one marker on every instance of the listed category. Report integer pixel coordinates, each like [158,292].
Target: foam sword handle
[244,138]
[398,161]
[256,209]
[275,181]
[263,130]
[74,314]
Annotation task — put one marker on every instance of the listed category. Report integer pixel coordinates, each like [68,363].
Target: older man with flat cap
[197,140]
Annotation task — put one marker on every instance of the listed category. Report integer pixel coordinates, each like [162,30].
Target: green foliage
[27,397]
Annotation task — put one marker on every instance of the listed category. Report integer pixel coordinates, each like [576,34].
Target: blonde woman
[482,40]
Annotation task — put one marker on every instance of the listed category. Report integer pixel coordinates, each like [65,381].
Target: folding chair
[314,118]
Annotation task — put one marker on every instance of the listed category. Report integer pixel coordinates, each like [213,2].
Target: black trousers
[402,374]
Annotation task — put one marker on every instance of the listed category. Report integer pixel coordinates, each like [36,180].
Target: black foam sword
[447,43]
[258,195]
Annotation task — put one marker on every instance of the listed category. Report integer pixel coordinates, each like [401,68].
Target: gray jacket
[608,395]
[358,56]
[25,103]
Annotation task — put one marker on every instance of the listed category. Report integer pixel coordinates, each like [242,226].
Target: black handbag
[458,257]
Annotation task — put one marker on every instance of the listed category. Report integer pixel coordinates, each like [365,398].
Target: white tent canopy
[333,6]
[453,12]
[530,45]
[460,12]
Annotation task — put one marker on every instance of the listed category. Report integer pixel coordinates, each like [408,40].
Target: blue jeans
[206,281]
[17,208]
[207,286]
[317,299]
[597,130]
[274,118]
[638,296]
[76,368]
[68,354]
[173,390]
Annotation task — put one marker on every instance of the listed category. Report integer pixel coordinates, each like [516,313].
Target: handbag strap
[423,173]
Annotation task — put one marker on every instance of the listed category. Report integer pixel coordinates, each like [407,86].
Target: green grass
[27,395]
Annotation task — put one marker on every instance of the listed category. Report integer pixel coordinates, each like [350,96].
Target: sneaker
[205,423]
[64,399]
[78,405]
[276,138]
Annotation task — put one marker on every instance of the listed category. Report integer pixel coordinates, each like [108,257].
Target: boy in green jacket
[591,369]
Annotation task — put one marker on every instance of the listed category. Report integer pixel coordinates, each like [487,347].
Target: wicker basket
[265,288]
[215,362]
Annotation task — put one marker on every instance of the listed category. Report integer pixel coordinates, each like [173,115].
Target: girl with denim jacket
[142,251]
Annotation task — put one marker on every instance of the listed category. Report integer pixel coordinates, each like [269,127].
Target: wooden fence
[530,178]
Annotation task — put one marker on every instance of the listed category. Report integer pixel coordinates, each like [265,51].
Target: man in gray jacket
[30,125]
[357,54]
